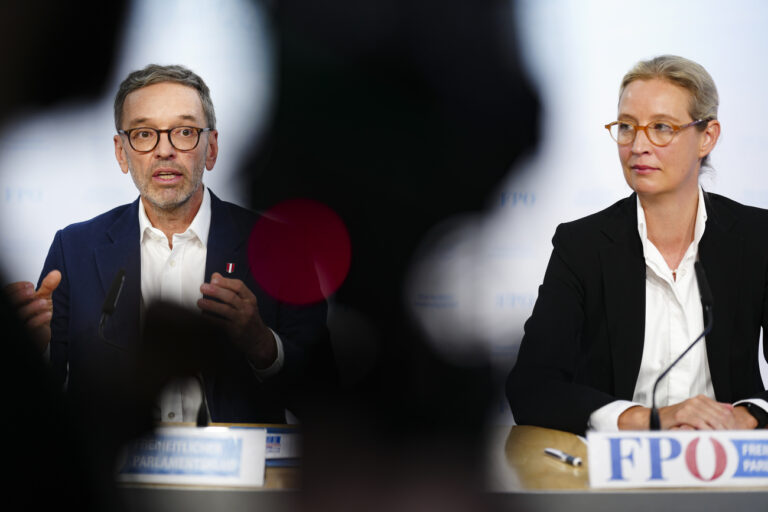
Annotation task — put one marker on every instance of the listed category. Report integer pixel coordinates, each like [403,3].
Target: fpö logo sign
[516,198]
[678,459]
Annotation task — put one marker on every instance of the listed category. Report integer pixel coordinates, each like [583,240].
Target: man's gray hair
[155,74]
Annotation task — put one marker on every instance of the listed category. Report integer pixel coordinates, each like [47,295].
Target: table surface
[517,461]
[519,477]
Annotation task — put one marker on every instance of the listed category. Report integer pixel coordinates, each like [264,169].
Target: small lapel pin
[230,268]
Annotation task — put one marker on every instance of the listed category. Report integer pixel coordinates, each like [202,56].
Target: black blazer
[583,344]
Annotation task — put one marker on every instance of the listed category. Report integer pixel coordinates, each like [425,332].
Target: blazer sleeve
[308,356]
[762,393]
[737,268]
[549,385]
[60,321]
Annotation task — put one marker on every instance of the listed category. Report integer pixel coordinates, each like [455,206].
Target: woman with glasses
[620,299]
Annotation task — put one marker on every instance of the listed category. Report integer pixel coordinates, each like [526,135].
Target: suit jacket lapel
[623,267]
[226,244]
[122,251]
[720,252]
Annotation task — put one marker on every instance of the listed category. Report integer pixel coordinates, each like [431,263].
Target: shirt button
[171,415]
[172,263]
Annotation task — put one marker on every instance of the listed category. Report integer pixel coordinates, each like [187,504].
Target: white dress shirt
[673,319]
[175,275]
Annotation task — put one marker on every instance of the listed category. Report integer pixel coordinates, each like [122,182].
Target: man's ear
[120,155]
[211,149]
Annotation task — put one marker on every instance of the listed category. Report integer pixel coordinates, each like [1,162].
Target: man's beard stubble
[176,203]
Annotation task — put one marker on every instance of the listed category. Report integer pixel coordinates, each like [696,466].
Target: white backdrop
[483,277]
[58,167]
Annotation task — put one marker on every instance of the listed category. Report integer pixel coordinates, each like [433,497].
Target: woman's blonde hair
[689,75]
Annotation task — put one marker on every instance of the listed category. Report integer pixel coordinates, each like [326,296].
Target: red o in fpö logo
[693,465]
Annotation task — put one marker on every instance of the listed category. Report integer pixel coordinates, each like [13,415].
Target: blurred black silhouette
[56,453]
[397,114]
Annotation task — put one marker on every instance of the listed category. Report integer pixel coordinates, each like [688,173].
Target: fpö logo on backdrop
[674,459]
[22,195]
[513,198]
[509,300]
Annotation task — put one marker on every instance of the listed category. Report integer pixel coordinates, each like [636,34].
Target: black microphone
[706,303]
[110,302]
[203,413]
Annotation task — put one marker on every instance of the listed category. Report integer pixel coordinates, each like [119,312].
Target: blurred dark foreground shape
[395,114]
[398,115]
[52,52]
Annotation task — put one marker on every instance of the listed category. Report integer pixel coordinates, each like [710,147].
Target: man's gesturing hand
[35,308]
[238,306]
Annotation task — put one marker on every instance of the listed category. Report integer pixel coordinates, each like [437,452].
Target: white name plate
[211,456]
[678,458]
[283,444]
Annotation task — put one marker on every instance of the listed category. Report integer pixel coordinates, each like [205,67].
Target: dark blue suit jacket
[89,255]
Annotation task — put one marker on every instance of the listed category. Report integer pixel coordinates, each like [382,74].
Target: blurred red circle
[299,251]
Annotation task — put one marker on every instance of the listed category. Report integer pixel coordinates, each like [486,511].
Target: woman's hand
[697,413]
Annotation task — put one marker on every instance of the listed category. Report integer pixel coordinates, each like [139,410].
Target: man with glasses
[179,244]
